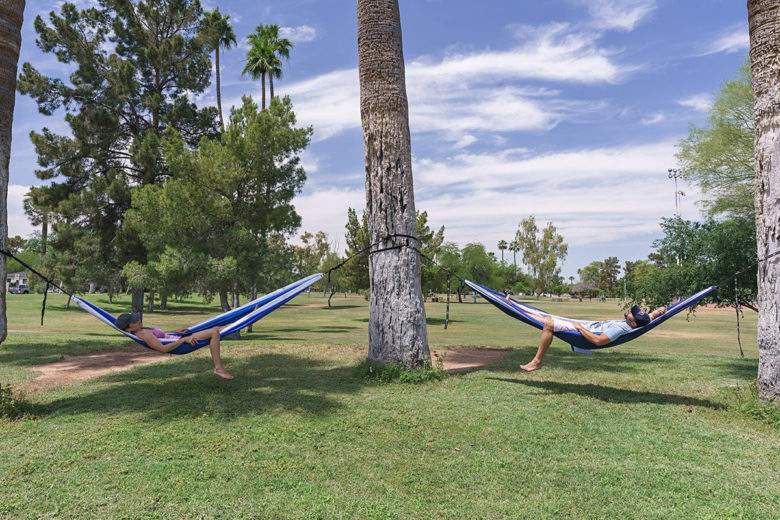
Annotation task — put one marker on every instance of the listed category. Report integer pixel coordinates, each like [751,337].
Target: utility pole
[675,174]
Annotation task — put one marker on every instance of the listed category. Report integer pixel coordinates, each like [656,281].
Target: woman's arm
[597,339]
[155,343]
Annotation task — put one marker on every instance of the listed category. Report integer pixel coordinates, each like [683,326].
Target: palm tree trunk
[271,86]
[263,75]
[44,232]
[396,327]
[764,22]
[219,88]
[11,15]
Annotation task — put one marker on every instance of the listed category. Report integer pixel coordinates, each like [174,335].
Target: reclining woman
[133,323]
[598,333]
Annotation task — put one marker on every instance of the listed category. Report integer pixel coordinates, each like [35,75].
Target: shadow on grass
[611,394]
[617,362]
[169,391]
[745,369]
[340,307]
[37,353]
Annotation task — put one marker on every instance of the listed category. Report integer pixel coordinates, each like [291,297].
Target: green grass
[664,427]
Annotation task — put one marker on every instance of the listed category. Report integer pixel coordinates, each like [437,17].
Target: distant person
[133,323]
[599,333]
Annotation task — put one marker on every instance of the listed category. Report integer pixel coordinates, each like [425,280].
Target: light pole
[675,174]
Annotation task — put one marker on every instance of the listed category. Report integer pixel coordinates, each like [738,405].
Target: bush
[12,406]
[745,402]
[398,373]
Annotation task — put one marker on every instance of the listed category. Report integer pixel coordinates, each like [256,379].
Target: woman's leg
[544,343]
[214,346]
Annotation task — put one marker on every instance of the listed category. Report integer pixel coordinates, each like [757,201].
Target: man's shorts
[564,325]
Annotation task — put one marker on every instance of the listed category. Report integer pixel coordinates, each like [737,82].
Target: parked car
[19,289]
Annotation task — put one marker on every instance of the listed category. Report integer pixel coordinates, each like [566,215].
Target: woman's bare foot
[530,367]
[222,373]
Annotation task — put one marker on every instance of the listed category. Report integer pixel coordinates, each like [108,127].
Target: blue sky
[566,109]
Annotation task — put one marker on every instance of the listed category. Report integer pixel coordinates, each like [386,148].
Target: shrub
[12,406]
[398,373]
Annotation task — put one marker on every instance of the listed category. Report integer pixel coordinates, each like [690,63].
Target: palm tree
[217,33]
[264,58]
[514,247]
[37,207]
[396,327]
[11,16]
[502,246]
[764,23]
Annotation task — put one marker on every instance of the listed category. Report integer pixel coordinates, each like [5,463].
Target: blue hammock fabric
[529,315]
[230,322]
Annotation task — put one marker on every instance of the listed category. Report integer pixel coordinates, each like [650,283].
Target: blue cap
[640,317]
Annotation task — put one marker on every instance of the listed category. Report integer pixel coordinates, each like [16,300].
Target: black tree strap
[370,250]
[49,281]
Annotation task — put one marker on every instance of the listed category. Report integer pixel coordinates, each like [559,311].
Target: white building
[15,280]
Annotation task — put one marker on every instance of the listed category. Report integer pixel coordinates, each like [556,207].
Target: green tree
[136,65]
[432,278]
[542,251]
[356,270]
[719,157]
[312,253]
[502,246]
[217,33]
[264,59]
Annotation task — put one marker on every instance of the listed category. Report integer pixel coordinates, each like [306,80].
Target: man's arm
[660,311]
[597,339]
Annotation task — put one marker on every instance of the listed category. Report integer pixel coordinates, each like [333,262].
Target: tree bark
[223,301]
[138,300]
[764,24]
[263,75]
[150,302]
[11,16]
[219,88]
[396,328]
[164,300]
[271,86]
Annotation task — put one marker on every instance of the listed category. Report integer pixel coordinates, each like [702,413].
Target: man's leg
[545,339]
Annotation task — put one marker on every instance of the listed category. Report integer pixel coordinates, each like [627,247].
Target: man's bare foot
[224,374]
[530,367]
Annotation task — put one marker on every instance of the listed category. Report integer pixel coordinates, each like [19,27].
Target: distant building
[15,280]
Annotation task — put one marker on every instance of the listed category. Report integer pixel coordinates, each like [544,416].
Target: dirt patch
[469,359]
[73,369]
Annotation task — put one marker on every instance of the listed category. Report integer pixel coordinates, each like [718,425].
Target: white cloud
[701,102]
[592,195]
[653,119]
[465,141]
[475,92]
[735,39]
[623,15]
[17,220]
[299,34]
[326,210]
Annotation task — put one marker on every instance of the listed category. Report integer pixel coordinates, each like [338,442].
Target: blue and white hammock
[230,322]
[530,315]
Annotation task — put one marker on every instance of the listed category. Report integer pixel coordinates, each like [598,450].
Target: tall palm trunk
[764,22]
[219,88]
[263,90]
[271,87]
[11,15]
[396,327]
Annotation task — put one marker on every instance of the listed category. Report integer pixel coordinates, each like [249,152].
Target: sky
[569,110]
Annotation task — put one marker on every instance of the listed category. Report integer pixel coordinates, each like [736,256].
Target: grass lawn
[658,428]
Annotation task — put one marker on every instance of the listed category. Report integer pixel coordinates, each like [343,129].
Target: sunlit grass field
[663,427]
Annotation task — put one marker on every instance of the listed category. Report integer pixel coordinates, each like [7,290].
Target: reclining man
[598,333]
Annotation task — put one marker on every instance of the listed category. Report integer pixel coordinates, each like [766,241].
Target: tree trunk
[764,23]
[44,232]
[252,296]
[223,301]
[271,86]
[263,76]
[138,300]
[219,88]
[396,327]
[164,300]
[11,14]
[150,302]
